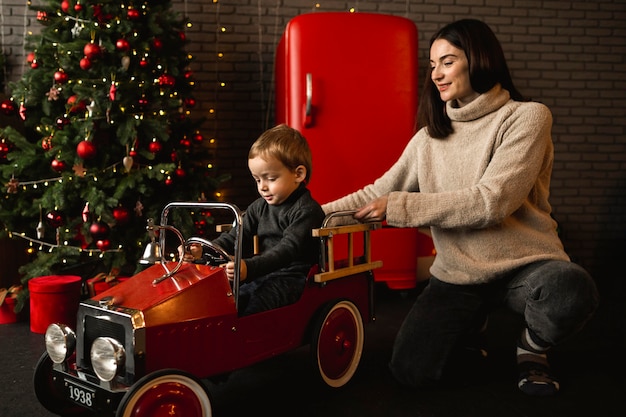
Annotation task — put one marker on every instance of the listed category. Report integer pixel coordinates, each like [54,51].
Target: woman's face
[450,73]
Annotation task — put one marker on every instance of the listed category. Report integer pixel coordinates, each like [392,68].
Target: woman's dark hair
[487,67]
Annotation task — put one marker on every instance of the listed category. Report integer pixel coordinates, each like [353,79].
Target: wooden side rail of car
[327,234]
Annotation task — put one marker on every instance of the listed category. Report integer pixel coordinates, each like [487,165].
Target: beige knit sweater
[483,190]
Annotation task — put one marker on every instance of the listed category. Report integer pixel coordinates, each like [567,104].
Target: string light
[51,246]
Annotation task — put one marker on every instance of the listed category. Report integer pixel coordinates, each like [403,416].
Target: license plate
[80,394]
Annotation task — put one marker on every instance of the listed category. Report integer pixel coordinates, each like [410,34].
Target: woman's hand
[374,211]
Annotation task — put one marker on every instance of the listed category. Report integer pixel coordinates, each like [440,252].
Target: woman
[478,174]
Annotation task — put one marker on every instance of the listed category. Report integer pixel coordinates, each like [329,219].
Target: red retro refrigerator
[348,82]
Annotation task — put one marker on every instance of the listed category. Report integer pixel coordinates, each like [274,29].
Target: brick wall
[566,54]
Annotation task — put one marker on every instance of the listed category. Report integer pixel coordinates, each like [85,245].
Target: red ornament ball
[155,146]
[103,244]
[75,104]
[86,149]
[180,173]
[99,230]
[122,45]
[30,58]
[121,215]
[65,6]
[169,181]
[8,107]
[58,165]
[143,63]
[78,7]
[85,63]
[61,77]
[92,50]
[62,122]
[4,149]
[197,137]
[157,44]
[55,218]
[133,14]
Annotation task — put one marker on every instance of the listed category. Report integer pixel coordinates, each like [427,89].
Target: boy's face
[274,181]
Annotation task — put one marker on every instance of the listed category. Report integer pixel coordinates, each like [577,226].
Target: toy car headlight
[60,342]
[107,357]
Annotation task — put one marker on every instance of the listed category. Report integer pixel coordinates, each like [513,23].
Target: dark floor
[590,366]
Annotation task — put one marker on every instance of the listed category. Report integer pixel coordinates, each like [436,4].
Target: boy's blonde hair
[285,144]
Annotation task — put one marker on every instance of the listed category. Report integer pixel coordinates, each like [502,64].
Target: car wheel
[49,395]
[337,343]
[166,393]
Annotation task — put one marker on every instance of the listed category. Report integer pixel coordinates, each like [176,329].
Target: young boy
[282,219]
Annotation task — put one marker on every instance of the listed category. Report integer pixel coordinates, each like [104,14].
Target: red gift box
[7,304]
[53,299]
[103,282]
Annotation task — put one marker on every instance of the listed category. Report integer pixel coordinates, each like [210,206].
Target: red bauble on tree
[92,50]
[76,105]
[55,218]
[58,165]
[133,14]
[99,230]
[5,147]
[155,146]
[62,122]
[86,149]
[61,77]
[103,244]
[85,63]
[121,215]
[8,107]
[190,102]
[197,137]
[65,6]
[122,45]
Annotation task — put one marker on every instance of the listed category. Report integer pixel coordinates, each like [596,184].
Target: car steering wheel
[212,253]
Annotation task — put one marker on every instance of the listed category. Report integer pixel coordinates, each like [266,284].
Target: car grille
[123,325]
[94,328]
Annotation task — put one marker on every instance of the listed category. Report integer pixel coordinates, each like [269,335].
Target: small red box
[53,299]
[103,282]
[7,315]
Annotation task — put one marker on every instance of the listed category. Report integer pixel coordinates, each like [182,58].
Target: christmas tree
[108,138]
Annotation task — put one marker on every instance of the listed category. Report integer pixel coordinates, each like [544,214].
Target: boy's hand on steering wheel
[194,252]
[230,270]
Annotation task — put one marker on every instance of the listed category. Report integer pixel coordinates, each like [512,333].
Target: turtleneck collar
[484,104]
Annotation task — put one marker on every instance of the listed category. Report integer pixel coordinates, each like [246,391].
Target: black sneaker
[536,379]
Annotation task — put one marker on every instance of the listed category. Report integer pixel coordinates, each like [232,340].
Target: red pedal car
[144,346]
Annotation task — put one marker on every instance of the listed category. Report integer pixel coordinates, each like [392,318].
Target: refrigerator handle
[308,108]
